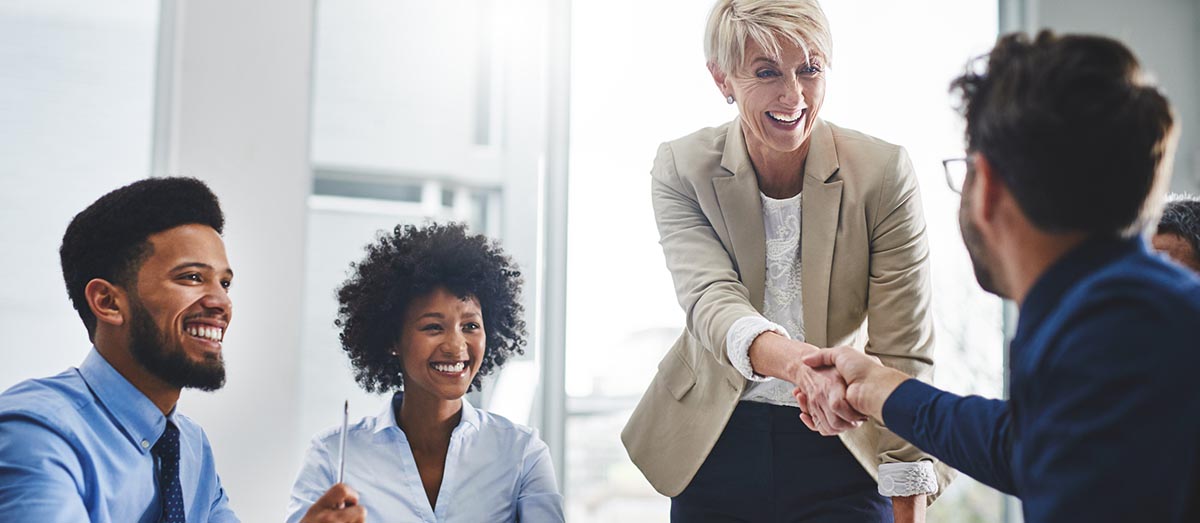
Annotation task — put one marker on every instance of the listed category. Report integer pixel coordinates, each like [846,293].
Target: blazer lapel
[819,214]
[741,208]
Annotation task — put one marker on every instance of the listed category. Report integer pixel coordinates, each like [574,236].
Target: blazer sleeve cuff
[907,479]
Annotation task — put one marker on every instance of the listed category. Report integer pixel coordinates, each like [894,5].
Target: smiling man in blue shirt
[145,268]
[1069,154]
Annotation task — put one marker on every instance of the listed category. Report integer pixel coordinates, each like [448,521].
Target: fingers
[338,496]
[825,405]
[821,358]
[808,422]
[339,504]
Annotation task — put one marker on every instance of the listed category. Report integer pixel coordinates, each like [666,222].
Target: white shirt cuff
[737,343]
[907,479]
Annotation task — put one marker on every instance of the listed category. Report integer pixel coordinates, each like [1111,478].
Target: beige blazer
[863,256]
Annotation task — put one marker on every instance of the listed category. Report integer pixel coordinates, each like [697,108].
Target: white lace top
[783,313]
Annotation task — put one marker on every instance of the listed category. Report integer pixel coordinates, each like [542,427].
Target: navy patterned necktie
[170,493]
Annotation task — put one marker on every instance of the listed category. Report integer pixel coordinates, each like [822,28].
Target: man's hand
[868,382]
[823,401]
[338,505]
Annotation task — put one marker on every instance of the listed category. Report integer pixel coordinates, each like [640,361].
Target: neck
[428,421]
[115,350]
[1029,255]
[780,174]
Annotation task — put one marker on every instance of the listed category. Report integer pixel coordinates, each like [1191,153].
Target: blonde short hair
[732,22]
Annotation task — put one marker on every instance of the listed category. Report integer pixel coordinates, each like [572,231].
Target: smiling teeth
[450,367]
[788,119]
[209,333]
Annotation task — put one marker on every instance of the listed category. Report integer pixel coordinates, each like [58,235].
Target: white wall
[1165,35]
[75,114]
[240,122]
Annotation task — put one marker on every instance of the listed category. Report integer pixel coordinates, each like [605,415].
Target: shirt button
[145,444]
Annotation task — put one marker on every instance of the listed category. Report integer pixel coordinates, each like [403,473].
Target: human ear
[721,79]
[986,191]
[107,301]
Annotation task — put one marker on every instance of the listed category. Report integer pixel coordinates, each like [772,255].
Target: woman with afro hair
[423,316]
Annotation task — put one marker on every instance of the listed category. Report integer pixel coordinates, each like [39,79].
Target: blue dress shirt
[1103,423]
[76,447]
[496,471]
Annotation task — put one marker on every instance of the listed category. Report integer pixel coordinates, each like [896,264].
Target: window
[410,123]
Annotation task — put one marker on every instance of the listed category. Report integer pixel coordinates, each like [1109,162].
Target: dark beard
[975,248]
[169,362]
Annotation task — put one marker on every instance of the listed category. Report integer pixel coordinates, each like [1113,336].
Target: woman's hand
[821,394]
[909,509]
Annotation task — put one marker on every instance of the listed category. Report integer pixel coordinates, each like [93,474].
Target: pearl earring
[729,99]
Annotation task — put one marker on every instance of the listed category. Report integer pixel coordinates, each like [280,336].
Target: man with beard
[146,270]
[1068,156]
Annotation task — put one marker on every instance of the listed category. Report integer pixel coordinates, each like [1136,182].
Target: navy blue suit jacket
[1103,423]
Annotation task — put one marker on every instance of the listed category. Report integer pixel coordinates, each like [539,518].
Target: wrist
[909,508]
[877,388]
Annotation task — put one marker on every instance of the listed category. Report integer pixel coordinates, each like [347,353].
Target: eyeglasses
[956,172]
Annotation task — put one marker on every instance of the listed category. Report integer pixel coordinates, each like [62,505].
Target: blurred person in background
[1178,233]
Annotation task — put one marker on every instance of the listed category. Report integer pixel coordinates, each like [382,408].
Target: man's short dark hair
[108,240]
[1181,217]
[1071,130]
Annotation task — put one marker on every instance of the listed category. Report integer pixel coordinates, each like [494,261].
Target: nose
[216,299]
[456,345]
[793,92]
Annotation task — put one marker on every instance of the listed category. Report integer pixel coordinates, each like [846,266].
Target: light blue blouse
[496,470]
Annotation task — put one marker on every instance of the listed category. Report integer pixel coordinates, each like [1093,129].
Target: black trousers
[767,466]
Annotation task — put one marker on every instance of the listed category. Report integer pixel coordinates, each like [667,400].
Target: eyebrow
[439,315]
[766,59]
[198,265]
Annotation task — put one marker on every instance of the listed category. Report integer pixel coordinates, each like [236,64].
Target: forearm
[778,357]
[909,509]
[969,433]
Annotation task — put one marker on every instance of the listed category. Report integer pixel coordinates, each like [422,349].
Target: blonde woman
[783,233]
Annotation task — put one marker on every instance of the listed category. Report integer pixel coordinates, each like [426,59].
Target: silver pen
[342,448]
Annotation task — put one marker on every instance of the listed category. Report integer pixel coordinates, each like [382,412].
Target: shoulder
[55,402]
[1144,281]
[364,428]
[696,154]
[869,162]
[502,432]
[858,146]
[1141,303]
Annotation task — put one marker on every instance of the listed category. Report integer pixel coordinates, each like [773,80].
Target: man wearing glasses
[1068,157]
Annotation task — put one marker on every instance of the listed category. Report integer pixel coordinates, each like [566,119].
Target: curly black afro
[108,240]
[411,262]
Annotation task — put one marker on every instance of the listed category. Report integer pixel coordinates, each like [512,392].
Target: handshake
[839,388]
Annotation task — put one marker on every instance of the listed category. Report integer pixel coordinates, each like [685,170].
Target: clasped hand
[831,389]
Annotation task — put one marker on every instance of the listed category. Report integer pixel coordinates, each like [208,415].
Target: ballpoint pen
[342,447]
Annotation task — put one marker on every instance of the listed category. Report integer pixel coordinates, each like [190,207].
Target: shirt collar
[1064,273]
[471,416]
[139,418]
[821,164]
